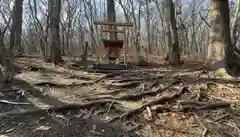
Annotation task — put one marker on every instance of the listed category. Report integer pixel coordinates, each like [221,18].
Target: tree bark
[7,57]
[215,51]
[219,34]
[55,50]
[173,55]
[111,14]
[235,24]
[232,53]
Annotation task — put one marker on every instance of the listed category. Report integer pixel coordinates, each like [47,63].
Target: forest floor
[147,101]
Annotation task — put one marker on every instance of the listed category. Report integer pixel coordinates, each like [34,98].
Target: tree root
[134,96]
[109,76]
[13,103]
[113,74]
[160,100]
[56,109]
[126,84]
[198,105]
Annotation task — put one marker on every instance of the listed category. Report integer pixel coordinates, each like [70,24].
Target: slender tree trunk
[148,27]
[174,51]
[55,50]
[111,14]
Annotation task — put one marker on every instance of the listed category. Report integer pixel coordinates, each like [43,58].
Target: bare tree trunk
[39,27]
[174,52]
[18,28]
[111,14]
[232,54]
[193,41]
[7,57]
[55,50]
[137,24]
[148,28]
[219,33]
[235,24]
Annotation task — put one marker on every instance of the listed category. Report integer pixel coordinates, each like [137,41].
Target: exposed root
[56,109]
[126,84]
[113,74]
[198,105]
[109,75]
[13,103]
[135,96]
[214,106]
[160,100]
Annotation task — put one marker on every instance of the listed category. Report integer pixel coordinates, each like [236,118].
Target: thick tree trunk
[55,50]
[16,27]
[235,24]
[220,41]
[219,34]
[215,50]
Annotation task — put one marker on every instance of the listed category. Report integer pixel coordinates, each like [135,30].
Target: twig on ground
[110,105]
[220,117]
[13,103]
[205,130]
[7,131]
[113,119]
[133,127]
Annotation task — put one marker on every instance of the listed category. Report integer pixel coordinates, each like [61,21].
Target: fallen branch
[208,25]
[13,103]
[160,100]
[56,109]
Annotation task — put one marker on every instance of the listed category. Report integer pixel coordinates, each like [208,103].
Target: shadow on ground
[45,124]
